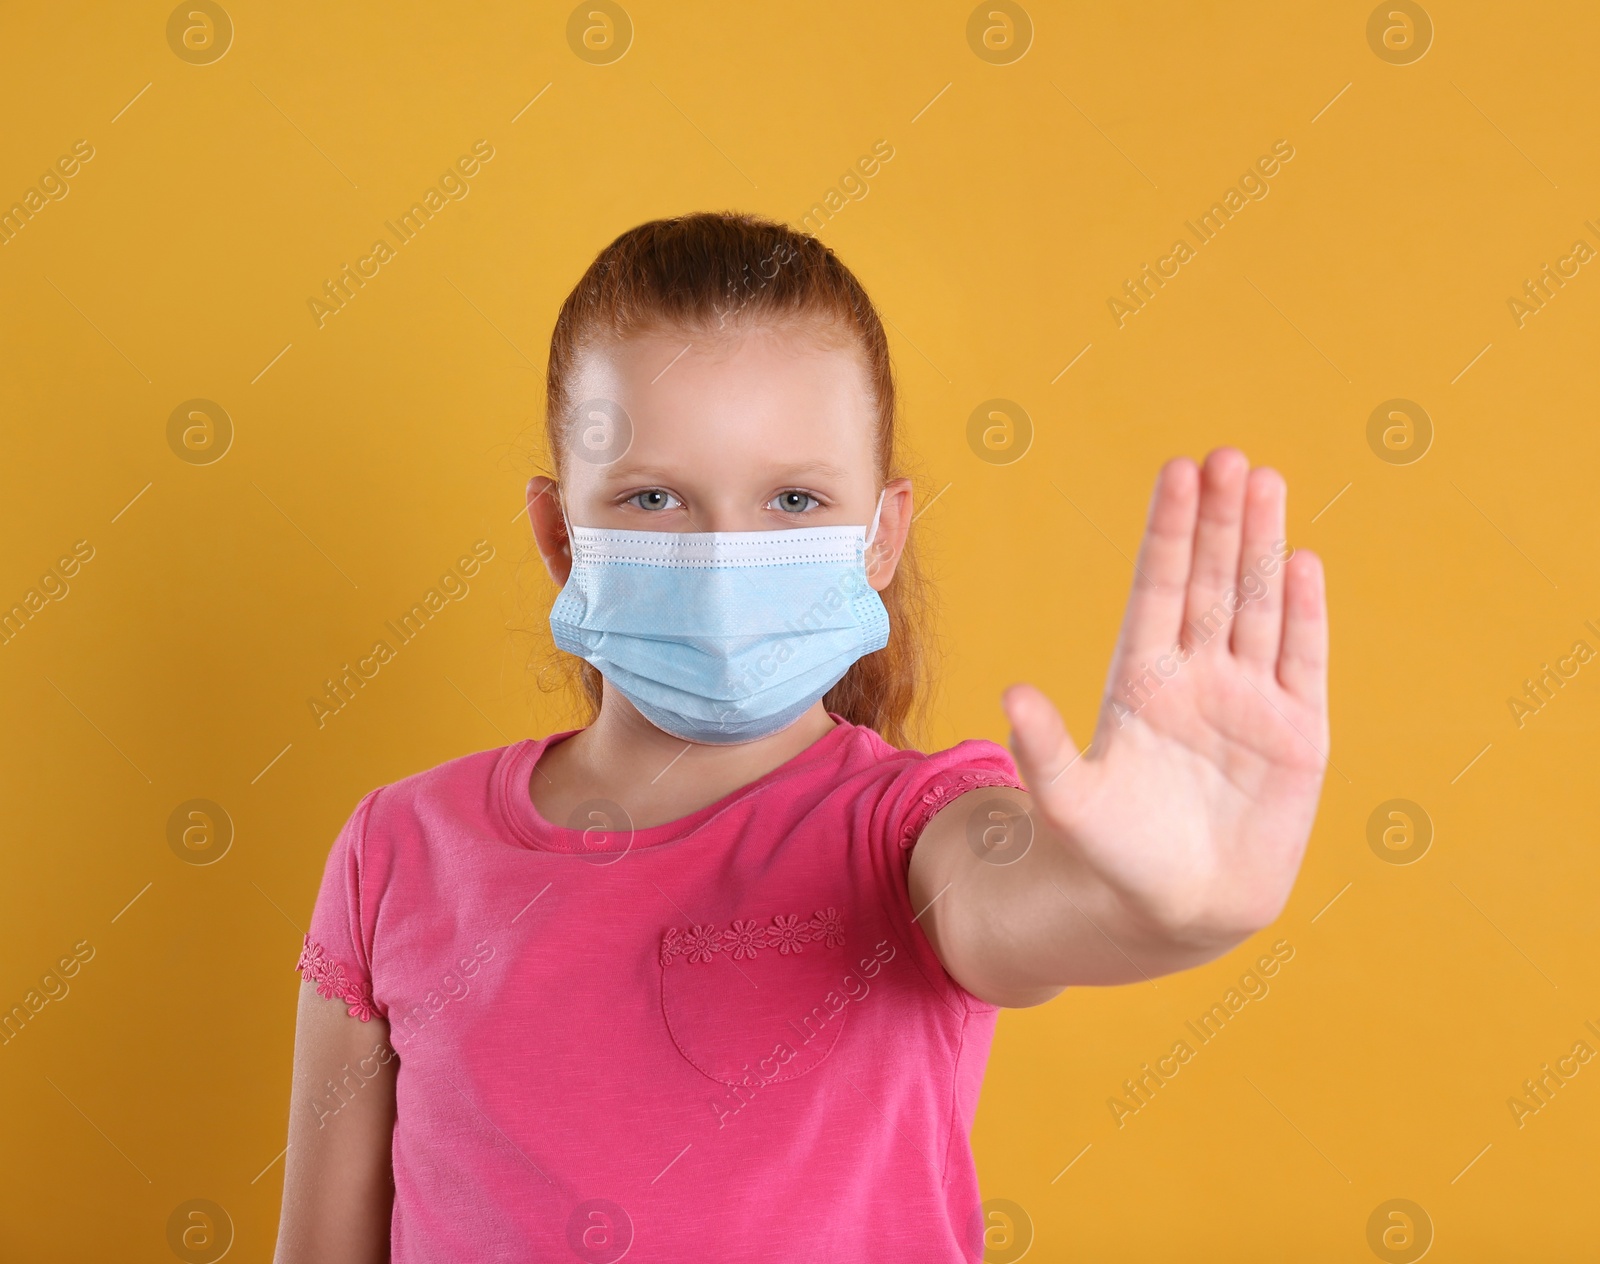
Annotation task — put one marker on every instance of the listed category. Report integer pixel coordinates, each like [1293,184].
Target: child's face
[753,431]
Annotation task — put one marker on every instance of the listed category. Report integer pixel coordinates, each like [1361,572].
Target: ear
[894,528]
[550,528]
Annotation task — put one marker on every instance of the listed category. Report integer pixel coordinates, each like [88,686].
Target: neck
[653,776]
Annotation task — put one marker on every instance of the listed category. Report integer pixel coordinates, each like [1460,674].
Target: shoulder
[863,745]
[458,796]
[910,786]
[462,774]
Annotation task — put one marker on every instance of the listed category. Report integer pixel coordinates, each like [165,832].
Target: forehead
[761,396]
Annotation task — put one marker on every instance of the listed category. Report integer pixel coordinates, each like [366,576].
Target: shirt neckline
[530,828]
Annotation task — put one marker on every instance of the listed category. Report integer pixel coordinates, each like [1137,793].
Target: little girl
[715,976]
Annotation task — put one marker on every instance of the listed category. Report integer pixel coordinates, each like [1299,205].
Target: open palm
[1195,799]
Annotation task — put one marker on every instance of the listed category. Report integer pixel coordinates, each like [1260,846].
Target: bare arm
[1179,832]
[338,1186]
[1018,933]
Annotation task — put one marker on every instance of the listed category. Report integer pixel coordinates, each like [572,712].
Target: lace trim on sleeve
[953,786]
[315,966]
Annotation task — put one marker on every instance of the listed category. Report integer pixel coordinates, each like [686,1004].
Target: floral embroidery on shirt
[828,927]
[671,945]
[786,936]
[951,788]
[701,942]
[744,938]
[315,966]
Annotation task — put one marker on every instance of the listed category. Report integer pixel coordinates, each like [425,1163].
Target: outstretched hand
[1195,799]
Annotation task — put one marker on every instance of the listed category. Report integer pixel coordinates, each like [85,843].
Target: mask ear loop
[565,521]
[872,531]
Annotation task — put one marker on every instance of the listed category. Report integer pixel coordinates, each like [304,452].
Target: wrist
[1178,912]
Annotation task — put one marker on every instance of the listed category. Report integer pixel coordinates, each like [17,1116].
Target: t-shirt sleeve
[337,953]
[928,785]
[918,792]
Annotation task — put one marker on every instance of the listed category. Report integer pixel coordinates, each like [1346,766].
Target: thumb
[1040,743]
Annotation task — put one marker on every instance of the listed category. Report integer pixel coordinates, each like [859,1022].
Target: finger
[1258,627]
[1303,659]
[1155,605]
[1207,617]
[1040,742]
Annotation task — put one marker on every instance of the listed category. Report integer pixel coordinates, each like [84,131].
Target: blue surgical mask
[721,637]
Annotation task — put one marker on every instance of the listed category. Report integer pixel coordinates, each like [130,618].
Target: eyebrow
[816,467]
[628,474]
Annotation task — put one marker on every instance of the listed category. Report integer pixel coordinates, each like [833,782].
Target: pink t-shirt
[719,1038]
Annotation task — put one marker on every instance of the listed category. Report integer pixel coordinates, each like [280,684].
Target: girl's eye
[654,499]
[793,501]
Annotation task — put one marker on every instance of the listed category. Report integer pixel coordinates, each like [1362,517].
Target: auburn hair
[702,273]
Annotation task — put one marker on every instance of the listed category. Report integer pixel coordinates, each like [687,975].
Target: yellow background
[374,450]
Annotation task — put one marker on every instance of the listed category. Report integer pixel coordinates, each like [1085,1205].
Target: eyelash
[650,491]
[678,504]
[815,503]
